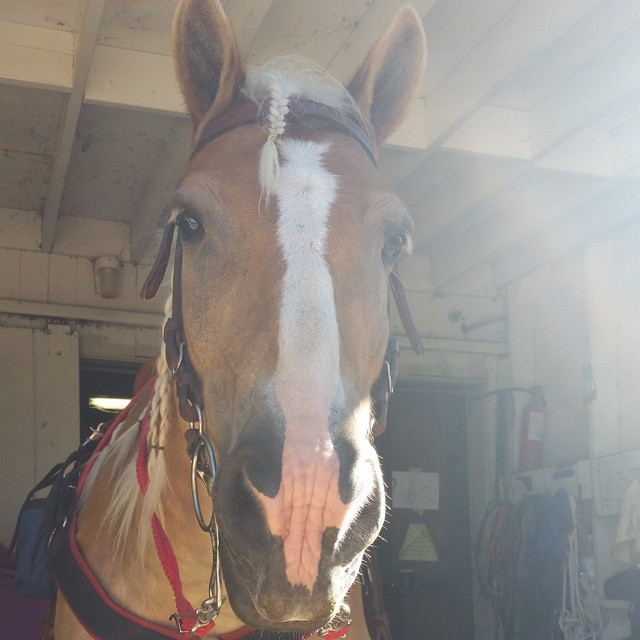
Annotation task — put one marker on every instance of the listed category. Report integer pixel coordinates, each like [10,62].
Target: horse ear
[206,56]
[389,78]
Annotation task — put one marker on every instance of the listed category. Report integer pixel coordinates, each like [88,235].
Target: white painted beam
[85,39]
[87,314]
[134,79]
[614,207]
[606,79]
[504,133]
[36,57]
[493,131]
[167,171]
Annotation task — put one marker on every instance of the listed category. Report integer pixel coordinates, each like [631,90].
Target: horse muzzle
[291,549]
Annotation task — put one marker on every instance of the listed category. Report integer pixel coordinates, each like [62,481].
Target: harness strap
[400,297]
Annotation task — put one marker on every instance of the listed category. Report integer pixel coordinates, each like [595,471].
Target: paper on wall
[417,490]
[418,545]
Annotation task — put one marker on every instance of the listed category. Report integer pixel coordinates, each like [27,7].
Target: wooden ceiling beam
[511,45]
[135,80]
[36,57]
[84,43]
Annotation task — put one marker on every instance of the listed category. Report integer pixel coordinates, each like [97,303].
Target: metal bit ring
[202,456]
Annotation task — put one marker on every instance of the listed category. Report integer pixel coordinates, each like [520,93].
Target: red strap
[104,441]
[142,471]
[164,549]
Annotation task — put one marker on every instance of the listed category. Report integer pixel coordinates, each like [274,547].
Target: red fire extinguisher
[534,422]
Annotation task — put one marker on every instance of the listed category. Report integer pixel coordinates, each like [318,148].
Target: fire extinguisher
[534,421]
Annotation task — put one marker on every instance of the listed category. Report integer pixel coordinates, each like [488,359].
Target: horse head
[287,236]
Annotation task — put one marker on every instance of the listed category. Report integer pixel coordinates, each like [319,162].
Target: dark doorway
[428,598]
[103,379]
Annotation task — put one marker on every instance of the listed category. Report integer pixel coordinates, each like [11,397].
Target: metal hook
[200,421]
[388,367]
[175,369]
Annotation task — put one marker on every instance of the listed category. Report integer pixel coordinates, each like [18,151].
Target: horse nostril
[260,476]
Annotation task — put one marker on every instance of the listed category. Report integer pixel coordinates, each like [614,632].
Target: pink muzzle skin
[307,503]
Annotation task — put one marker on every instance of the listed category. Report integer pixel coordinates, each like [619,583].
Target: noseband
[190,401]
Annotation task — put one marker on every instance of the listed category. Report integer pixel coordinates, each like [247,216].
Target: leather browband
[248,112]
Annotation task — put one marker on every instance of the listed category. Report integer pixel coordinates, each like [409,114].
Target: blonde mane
[121,453]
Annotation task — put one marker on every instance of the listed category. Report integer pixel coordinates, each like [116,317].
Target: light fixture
[109,404]
[105,272]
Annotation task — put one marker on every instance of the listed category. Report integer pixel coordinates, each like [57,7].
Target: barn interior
[520,165]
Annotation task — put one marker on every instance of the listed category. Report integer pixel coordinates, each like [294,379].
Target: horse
[276,329]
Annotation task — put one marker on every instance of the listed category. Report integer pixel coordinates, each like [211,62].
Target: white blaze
[308,370]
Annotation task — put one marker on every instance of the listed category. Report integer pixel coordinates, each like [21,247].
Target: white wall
[548,346]
[39,427]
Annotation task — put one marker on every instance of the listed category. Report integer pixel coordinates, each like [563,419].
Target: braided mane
[277,82]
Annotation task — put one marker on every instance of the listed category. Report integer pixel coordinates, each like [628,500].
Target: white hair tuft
[277,83]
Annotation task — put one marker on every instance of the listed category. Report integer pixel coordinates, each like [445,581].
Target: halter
[190,402]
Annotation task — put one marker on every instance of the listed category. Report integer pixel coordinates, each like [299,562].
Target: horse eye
[394,245]
[190,227]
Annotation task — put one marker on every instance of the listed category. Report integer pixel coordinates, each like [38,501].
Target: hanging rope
[528,568]
[580,618]
[497,549]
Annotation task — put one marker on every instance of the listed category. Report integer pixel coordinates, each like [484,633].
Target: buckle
[174,345]
[177,619]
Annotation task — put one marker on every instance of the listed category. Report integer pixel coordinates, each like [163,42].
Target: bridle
[241,113]
[190,402]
